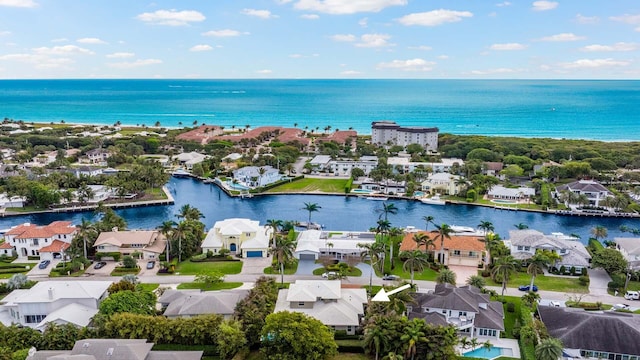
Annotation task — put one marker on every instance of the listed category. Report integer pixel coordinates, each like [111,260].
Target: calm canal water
[336,213]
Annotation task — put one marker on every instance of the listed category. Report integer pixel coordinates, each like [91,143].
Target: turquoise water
[237,186]
[484,353]
[501,201]
[418,194]
[361,191]
[604,110]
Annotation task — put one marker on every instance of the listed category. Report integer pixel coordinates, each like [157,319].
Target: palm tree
[189,212]
[413,334]
[444,231]
[446,276]
[599,232]
[311,207]
[490,240]
[283,252]
[477,281]
[388,208]
[486,227]
[166,229]
[502,269]
[275,226]
[178,233]
[375,339]
[549,349]
[394,233]
[415,260]
[530,298]
[423,239]
[536,266]
[428,219]
[371,251]
[85,229]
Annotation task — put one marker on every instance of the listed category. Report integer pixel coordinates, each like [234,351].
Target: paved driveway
[306,267]
[37,272]
[105,271]
[598,282]
[463,273]
[255,265]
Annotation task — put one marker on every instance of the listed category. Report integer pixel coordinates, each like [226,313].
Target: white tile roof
[49,291]
[73,313]
[314,240]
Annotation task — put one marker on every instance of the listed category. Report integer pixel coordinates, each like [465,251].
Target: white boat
[434,200]
[378,197]
[181,173]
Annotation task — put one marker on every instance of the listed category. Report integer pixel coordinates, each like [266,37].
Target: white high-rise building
[388,132]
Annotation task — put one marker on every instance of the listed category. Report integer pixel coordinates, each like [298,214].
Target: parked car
[391,277]
[554,303]
[632,295]
[330,275]
[620,307]
[44,264]
[151,264]
[526,288]
[99,265]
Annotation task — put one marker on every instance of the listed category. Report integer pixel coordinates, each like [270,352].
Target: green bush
[472,195]
[572,270]
[115,255]
[511,307]
[129,262]
[33,257]
[584,280]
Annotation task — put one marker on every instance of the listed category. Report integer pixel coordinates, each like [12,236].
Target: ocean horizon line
[319,78]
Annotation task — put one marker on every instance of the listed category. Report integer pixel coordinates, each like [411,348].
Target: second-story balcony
[461,322]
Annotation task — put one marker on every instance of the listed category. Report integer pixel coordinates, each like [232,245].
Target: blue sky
[475,39]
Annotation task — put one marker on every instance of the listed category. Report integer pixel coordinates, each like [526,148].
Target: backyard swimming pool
[501,201]
[361,191]
[237,186]
[491,353]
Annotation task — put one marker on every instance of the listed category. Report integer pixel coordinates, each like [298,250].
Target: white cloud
[120,55]
[63,50]
[135,64]
[544,5]
[18,3]
[39,61]
[594,63]
[341,7]
[408,65]
[504,3]
[172,17]
[5,33]
[344,37]
[58,40]
[580,19]
[91,41]
[300,56]
[264,71]
[508,46]
[374,41]
[282,2]
[224,33]
[310,16]
[420,47]
[263,14]
[364,22]
[202,47]
[627,19]
[350,72]
[443,57]
[620,46]
[495,71]
[562,37]
[434,17]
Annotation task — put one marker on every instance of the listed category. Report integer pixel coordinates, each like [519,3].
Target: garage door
[307,257]
[254,253]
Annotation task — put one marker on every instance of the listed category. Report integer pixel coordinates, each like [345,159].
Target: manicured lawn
[634,286]
[195,268]
[211,287]
[289,269]
[428,274]
[19,268]
[148,287]
[550,283]
[510,317]
[119,271]
[312,185]
[353,272]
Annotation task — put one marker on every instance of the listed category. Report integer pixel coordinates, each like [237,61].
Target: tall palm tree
[599,232]
[178,233]
[166,229]
[85,229]
[275,226]
[375,339]
[412,336]
[549,349]
[446,276]
[311,207]
[189,212]
[444,231]
[371,251]
[415,260]
[423,239]
[502,269]
[490,240]
[536,266]
[388,208]
[394,234]
[283,252]
[428,219]
[486,227]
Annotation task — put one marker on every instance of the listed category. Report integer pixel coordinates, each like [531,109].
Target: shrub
[584,271]
[472,195]
[486,273]
[583,280]
[562,269]
[129,262]
[511,307]
[573,270]
[115,255]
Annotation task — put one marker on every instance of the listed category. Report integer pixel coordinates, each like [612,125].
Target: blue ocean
[582,109]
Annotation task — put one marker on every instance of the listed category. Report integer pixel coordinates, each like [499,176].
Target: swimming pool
[491,353]
[501,201]
[361,191]
[418,194]
[237,186]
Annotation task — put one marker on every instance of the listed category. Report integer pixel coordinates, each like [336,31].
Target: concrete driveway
[463,273]
[598,282]
[255,265]
[37,272]
[142,264]
[105,271]
[306,267]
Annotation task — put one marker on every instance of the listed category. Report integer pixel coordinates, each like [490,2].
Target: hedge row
[115,255]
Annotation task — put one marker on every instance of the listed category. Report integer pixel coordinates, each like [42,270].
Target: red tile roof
[340,136]
[32,231]
[56,246]
[5,245]
[463,243]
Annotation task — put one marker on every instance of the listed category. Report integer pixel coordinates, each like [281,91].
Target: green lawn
[15,266]
[148,287]
[195,268]
[289,269]
[510,317]
[428,274]
[550,283]
[204,287]
[312,185]
[119,271]
[353,272]
[633,286]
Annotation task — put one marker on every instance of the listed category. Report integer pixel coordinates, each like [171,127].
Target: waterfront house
[593,334]
[593,190]
[442,183]
[60,302]
[28,239]
[326,301]
[188,159]
[178,303]
[100,193]
[630,248]
[86,171]
[524,244]
[343,167]
[492,168]
[312,244]
[98,156]
[149,244]
[7,201]
[255,176]
[112,349]
[515,194]
[463,250]
[6,249]
[240,236]
[469,310]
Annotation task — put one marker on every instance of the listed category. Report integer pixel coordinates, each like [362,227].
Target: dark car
[391,277]
[151,264]
[526,288]
[44,264]
[99,265]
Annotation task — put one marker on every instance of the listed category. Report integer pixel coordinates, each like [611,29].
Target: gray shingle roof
[599,331]
[218,302]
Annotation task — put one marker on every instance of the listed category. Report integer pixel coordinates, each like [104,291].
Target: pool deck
[500,343]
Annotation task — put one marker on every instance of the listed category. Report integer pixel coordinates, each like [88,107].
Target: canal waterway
[336,213]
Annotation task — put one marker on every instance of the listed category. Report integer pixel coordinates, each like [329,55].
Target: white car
[330,275]
[620,307]
[554,303]
[632,295]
